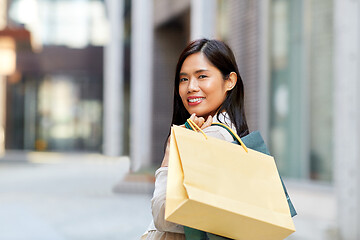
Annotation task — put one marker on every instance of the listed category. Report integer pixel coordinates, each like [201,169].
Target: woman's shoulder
[218,132]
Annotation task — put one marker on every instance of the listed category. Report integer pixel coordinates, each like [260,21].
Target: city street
[84,80]
[69,197]
[53,196]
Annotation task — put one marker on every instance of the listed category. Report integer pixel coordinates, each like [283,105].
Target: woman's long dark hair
[221,56]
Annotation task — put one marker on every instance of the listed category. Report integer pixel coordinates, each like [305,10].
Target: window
[301,88]
[75,23]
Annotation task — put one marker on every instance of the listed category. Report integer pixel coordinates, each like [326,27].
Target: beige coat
[160,229]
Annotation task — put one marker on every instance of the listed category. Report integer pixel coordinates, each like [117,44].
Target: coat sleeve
[158,204]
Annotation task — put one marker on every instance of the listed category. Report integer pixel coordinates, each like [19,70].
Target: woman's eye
[202,76]
[183,79]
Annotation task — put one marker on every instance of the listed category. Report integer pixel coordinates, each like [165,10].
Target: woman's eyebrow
[196,72]
[201,70]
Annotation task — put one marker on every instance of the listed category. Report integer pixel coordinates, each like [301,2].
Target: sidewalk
[52,196]
[316,208]
[55,196]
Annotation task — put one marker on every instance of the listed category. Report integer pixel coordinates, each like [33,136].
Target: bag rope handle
[233,135]
[196,127]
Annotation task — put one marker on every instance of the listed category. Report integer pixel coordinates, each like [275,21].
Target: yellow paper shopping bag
[221,188]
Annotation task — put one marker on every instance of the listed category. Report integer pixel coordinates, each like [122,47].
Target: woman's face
[202,88]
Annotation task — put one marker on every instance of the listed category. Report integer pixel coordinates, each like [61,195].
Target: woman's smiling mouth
[195,100]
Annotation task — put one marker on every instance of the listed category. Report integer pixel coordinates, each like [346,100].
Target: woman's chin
[204,115]
[200,113]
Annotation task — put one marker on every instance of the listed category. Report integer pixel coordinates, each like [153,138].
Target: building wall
[346,116]
[170,38]
[285,52]
[243,38]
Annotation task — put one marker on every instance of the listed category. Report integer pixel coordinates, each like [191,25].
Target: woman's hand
[200,121]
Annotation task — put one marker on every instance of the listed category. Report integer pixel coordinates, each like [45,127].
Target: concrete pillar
[264,69]
[347,116]
[2,114]
[141,83]
[203,19]
[113,130]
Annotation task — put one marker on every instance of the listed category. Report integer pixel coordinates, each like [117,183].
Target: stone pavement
[50,196]
[315,204]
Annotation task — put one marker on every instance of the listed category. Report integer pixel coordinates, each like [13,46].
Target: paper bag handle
[196,127]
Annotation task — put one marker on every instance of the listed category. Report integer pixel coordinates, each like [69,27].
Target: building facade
[99,77]
[289,54]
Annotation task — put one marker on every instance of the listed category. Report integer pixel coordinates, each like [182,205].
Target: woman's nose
[193,85]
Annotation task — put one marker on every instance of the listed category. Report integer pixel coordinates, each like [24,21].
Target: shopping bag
[254,141]
[224,189]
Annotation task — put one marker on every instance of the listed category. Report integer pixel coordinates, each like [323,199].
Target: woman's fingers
[192,117]
[200,121]
[207,123]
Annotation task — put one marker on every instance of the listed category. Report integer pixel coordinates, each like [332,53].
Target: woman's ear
[231,81]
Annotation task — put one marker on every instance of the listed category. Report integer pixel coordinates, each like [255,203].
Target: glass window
[63,113]
[301,88]
[58,105]
[76,23]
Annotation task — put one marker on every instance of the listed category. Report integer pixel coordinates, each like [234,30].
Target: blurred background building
[97,76]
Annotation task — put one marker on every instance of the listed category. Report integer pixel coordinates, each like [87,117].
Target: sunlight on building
[71,23]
